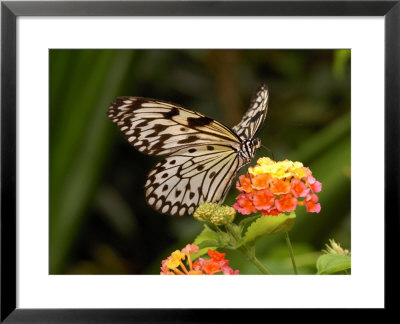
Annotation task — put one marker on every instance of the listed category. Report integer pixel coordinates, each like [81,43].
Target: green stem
[250,254]
[289,245]
[254,260]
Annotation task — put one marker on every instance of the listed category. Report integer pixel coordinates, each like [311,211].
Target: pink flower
[190,248]
[299,188]
[311,205]
[244,204]
[315,185]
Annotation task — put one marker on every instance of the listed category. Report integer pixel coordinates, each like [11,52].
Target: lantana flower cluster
[217,263]
[277,187]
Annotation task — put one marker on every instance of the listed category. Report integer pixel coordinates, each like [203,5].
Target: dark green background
[99,220]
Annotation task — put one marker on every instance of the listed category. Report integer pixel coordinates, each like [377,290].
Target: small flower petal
[263,199]
[287,203]
[279,186]
[244,204]
[244,184]
[190,248]
[299,188]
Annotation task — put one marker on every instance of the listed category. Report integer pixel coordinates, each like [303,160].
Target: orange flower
[277,187]
[287,203]
[210,267]
[260,181]
[263,199]
[244,184]
[216,256]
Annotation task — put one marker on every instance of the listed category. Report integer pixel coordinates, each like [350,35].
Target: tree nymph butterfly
[203,155]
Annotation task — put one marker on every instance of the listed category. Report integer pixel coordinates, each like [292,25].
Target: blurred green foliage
[99,220]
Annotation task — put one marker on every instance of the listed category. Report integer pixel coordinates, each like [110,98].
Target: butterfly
[203,155]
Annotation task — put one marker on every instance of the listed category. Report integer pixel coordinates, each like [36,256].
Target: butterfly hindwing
[181,181]
[157,127]
[255,115]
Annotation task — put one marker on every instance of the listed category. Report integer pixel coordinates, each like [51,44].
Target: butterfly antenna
[269,150]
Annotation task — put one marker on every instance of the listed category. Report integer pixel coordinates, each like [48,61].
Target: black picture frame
[11,10]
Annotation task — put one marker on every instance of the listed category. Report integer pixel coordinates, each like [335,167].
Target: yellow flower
[281,169]
[172,263]
[178,255]
[265,161]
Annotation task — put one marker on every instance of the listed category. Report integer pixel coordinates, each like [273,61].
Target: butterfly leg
[248,174]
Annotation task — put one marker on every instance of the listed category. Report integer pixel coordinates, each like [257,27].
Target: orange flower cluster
[216,264]
[277,187]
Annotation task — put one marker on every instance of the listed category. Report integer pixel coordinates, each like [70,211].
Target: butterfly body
[203,155]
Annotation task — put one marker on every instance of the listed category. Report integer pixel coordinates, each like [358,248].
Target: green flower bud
[223,215]
[204,211]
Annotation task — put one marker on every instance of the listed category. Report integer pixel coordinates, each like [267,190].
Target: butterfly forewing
[255,115]
[204,155]
[157,127]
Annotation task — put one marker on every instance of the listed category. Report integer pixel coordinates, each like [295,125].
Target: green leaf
[207,234]
[208,244]
[207,239]
[267,225]
[331,263]
[246,220]
[224,239]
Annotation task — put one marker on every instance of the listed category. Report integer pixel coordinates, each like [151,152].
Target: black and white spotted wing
[156,127]
[204,155]
[201,173]
[254,118]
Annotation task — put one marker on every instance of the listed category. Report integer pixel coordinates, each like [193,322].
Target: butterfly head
[248,148]
[256,142]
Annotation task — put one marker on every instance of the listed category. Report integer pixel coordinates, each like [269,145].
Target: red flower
[215,255]
[272,212]
[210,267]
